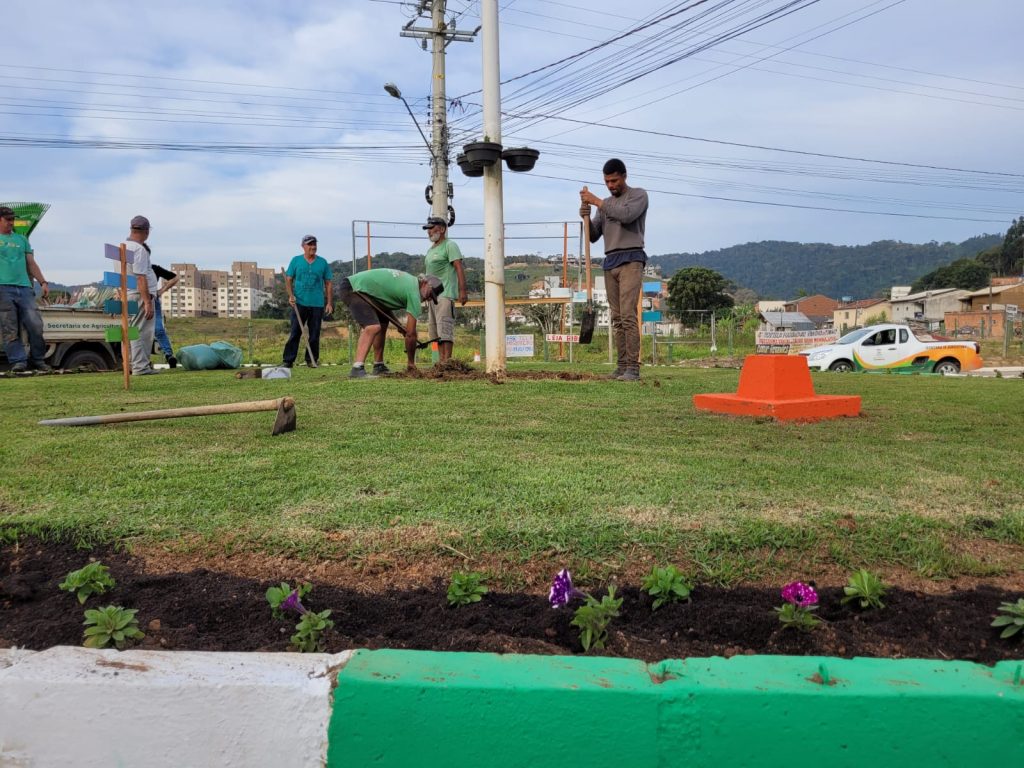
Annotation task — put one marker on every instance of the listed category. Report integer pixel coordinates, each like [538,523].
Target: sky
[842,121]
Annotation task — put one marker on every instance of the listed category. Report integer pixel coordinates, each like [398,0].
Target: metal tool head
[285,421]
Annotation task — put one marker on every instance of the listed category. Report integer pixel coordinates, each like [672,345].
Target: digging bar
[305,337]
[285,421]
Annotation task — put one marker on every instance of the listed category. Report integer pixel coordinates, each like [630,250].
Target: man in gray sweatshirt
[621,219]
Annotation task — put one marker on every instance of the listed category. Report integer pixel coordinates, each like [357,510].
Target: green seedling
[466,588]
[112,625]
[93,579]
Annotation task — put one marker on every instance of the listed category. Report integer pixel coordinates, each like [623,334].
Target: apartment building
[219,293]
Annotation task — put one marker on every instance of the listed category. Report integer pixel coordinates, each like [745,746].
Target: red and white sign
[572,338]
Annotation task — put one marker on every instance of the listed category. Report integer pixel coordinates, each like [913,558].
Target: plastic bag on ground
[230,355]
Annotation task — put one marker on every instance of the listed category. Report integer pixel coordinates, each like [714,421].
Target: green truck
[75,337]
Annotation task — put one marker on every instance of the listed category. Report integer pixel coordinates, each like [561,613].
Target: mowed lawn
[928,479]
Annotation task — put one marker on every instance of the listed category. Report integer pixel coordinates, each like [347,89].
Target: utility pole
[439,35]
[494,213]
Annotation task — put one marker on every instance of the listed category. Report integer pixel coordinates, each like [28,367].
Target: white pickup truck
[76,338]
[890,346]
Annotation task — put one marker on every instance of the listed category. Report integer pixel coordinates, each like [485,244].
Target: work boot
[630,374]
[380,369]
[172,361]
[360,373]
[19,367]
[619,370]
[42,367]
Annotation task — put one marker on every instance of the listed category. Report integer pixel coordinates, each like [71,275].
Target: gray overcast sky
[697,104]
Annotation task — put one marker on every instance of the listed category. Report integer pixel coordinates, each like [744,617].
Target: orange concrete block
[778,386]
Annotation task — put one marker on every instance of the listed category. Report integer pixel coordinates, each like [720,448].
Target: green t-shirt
[13,267]
[439,264]
[308,280]
[393,288]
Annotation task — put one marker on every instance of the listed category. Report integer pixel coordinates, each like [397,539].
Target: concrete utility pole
[439,35]
[494,214]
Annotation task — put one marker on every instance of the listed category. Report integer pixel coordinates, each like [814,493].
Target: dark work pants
[312,317]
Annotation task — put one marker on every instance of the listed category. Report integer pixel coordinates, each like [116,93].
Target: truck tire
[88,359]
[841,366]
[947,367]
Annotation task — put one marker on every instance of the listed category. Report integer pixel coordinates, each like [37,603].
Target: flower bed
[210,611]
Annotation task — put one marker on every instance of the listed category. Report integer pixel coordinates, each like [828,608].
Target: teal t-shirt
[393,288]
[438,263]
[308,280]
[13,267]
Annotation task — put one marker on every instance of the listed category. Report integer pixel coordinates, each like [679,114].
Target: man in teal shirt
[17,299]
[444,261]
[308,280]
[372,296]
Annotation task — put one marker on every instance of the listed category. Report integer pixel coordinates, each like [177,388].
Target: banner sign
[519,345]
[652,289]
[651,316]
[572,338]
[814,338]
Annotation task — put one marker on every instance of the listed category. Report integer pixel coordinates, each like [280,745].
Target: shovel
[394,320]
[305,337]
[285,421]
[589,315]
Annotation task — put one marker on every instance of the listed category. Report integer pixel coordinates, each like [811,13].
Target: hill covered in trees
[781,270]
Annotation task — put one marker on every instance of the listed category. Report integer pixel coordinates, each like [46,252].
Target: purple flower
[799,594]
[562,590]
[292,603]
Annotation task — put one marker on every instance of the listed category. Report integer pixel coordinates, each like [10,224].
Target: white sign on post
[114,252]
[1011,310]
[571,338]
[519,345]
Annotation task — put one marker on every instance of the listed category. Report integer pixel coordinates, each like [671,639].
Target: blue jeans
[159,332]
[18,308]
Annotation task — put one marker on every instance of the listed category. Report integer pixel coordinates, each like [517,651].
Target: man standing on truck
[17,299]
[145,293]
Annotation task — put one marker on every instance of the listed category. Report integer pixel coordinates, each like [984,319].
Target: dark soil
[205,610]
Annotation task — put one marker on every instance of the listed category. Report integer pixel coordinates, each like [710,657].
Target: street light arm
[423,135]
[393,91]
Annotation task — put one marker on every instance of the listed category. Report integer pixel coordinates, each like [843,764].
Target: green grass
[596,474]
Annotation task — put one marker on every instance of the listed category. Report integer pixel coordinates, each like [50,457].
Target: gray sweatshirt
[621,220]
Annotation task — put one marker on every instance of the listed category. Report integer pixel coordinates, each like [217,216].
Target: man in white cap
[144,293]
[444,261]
[308,280]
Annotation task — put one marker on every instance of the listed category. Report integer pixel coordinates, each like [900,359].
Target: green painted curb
[419,708]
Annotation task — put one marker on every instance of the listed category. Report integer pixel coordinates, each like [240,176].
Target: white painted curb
[79,707]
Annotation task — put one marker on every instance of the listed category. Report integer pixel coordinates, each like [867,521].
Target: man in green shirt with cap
[371,296]
[17,299]
[444,261]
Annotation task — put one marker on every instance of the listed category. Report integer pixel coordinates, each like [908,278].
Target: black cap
[436,287]
[435,221]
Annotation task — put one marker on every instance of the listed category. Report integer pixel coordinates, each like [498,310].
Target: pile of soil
[457,370]
[204,610]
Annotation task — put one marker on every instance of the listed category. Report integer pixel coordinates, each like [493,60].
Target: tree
[697,288]
[546,316]
[1013,249]
[969,274]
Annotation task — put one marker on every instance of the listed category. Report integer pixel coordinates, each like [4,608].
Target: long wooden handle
[172,413]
